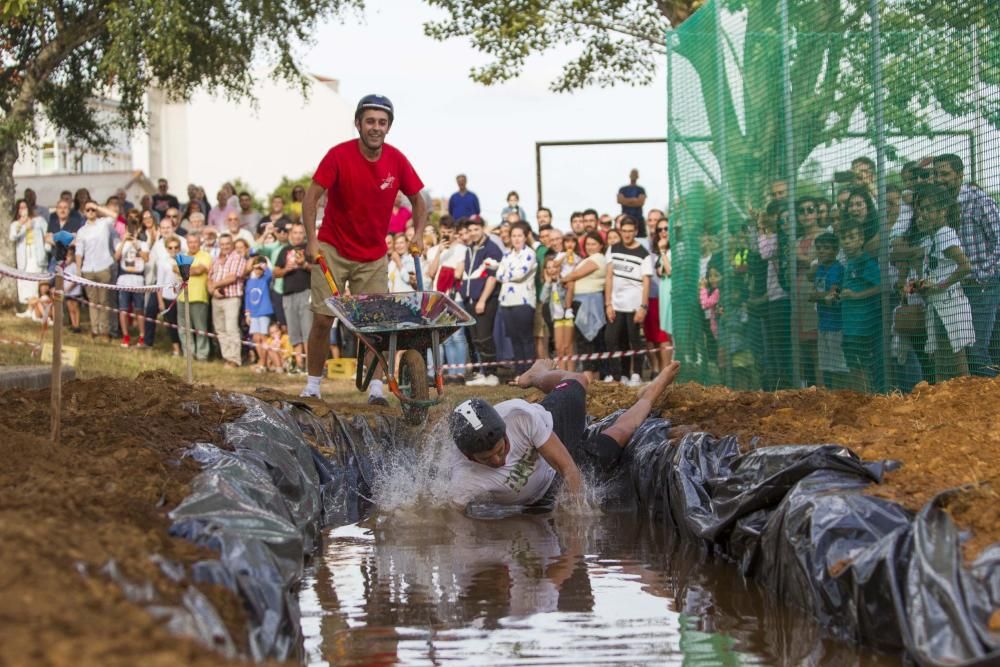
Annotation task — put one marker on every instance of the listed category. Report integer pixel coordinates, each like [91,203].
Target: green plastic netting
[808,245]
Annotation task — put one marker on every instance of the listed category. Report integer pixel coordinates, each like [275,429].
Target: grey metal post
[791,170]
[883,217]
[188,343]
[720,155]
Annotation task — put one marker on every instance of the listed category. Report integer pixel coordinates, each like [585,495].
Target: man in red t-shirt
[360,178]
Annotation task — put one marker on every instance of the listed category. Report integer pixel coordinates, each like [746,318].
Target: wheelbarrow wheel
[413,384]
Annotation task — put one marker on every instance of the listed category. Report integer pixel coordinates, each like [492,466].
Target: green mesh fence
[834,171]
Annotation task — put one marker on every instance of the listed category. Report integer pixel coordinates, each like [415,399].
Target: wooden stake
[188,336]
[57,327]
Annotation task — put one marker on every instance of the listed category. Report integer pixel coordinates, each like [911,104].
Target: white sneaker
[491,381]
[624,381]
[477,380]
[608,379]
[635,380]
[375,394]
[309,393]
[24,314]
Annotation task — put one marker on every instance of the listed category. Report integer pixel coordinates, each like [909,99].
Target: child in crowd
[568,260]
[709,294]
[556,300]
[258,308]
[827,281]
[40,306]
[72,291]
[279,349]
[860,310]
[948,313]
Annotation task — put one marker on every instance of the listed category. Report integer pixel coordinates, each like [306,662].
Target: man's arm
[557,456]
[419,220]
[309,205]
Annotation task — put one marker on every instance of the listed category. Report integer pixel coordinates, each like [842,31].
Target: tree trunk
[8,156]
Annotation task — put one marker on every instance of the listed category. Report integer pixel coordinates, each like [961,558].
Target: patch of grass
[109,359]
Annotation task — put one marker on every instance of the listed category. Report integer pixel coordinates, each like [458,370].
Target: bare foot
[526,379]
[663,380]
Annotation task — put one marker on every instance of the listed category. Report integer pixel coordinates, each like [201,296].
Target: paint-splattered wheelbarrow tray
[411,322]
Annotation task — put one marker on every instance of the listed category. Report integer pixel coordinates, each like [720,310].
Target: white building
[206,141]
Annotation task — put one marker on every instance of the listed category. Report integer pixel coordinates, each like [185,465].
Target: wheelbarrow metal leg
[391,363]
[436,354]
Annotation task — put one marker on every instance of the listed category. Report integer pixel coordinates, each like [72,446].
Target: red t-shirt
[360,196]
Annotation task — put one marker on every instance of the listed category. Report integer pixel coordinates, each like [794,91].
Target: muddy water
[543,590]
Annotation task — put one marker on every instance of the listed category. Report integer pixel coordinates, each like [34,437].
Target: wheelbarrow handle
[326,273]
[420,274]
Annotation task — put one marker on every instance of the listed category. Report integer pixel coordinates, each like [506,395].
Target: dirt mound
[946,435]
[102,493]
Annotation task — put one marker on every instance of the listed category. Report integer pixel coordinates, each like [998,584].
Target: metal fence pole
[883,217]
[720,155]
[791,169]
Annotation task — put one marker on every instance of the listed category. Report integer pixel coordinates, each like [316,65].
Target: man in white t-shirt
[516,452]
[626,298]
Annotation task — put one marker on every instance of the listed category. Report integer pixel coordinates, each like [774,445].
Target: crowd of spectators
[819,288]
[602,285]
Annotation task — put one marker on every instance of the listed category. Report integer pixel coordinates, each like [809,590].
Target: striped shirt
[979,231]
[232,264]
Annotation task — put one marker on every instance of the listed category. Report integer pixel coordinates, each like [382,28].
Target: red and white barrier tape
[179,328]
[79,280]
[593,356]
[9,341]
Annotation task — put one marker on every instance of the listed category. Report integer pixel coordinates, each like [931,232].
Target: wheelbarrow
[411,322]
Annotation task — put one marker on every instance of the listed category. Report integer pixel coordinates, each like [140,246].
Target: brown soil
[103,493]
[947,435]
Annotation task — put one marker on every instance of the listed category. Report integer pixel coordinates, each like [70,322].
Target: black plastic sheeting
[261,508]
[794,519]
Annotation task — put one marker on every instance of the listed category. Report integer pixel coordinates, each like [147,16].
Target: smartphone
[844,177]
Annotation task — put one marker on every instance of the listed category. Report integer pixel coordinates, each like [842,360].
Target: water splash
[410,482]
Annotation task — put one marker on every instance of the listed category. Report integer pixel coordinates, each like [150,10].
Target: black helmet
[476,427]
[380,102]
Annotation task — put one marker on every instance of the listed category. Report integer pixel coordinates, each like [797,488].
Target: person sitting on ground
[513,453]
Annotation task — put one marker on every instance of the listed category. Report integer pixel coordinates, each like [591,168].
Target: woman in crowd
[400,215]
[149,231]
[516,275]
[27,231]
[861,210]
[587,281]
[660,310]
[402,271]
[807,220]
[167,275]
[295,206]
[94,259]
[613,239]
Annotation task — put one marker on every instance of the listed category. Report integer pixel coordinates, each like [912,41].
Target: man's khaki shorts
[356,277]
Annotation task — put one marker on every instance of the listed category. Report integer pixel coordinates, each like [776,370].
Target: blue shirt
[634,211]
[257,295]
[828,277]
[463,206]
[861,317]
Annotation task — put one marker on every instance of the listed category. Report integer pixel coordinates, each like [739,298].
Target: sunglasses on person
[807,209]
[90,209]
[663,230]
[173,247]
[923,174]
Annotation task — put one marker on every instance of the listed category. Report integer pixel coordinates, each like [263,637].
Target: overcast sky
[447,124]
